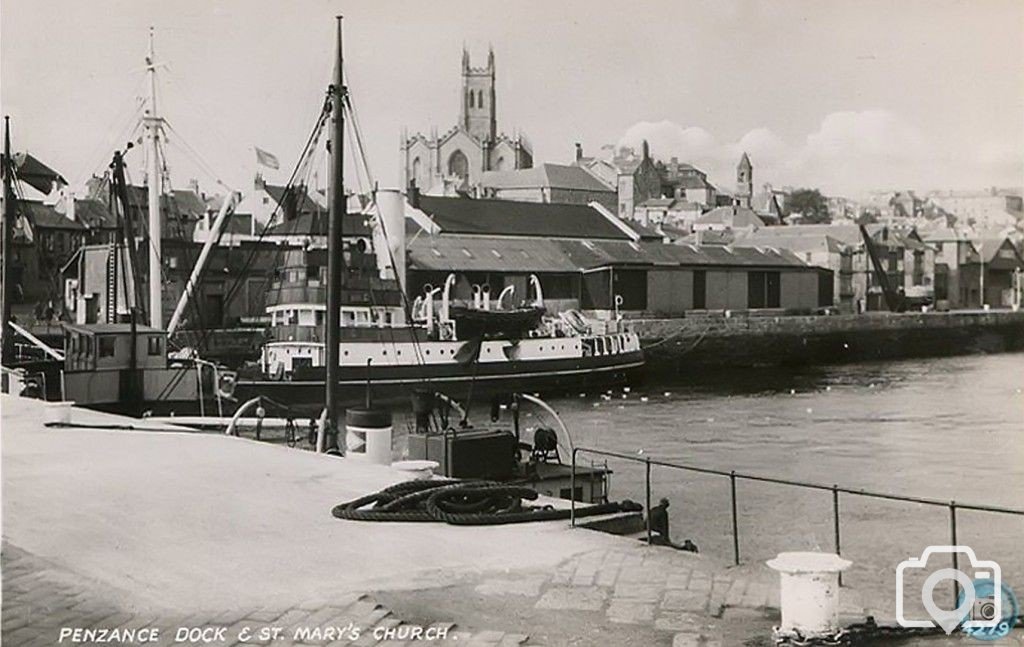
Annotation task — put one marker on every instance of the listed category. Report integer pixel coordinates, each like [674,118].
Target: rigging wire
[321,120]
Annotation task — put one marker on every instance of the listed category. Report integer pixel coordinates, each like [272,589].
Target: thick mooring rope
[462,503]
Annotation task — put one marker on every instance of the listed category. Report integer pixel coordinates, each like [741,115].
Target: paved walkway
[135,530]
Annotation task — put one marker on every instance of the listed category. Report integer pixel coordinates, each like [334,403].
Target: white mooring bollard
[368,435]
[809,593]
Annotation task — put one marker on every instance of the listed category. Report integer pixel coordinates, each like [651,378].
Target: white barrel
[58,413]
[809,592]
[368,435]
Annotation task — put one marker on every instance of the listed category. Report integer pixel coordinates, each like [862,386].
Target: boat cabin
[108,346]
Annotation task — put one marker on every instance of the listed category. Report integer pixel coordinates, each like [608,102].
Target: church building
[458,158]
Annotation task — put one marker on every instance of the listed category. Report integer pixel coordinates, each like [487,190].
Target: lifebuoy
[226,384]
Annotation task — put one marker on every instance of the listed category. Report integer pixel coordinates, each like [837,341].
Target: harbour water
[946,428]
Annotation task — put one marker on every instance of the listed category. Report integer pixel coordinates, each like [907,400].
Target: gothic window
[471,97]
[458,164]
[416,170]
[500,164]
[480,99]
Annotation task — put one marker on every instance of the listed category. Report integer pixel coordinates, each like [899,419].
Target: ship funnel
[391,207]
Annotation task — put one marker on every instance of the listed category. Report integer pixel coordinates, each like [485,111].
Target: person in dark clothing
[658,517]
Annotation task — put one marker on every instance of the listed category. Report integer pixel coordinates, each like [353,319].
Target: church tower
[478,99]
[745,181]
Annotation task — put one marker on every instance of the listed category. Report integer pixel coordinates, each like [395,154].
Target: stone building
[473,146]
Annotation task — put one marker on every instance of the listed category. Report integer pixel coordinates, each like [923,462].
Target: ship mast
[335,253]
[153,125]
[6,339]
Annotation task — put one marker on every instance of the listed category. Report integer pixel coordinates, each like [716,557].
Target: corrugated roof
[511,218]
[552,176]
[474,254]
[590,255]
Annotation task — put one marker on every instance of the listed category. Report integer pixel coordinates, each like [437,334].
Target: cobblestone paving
[41,598]
[678,593]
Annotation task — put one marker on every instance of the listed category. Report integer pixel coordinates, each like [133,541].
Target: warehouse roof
[478,254]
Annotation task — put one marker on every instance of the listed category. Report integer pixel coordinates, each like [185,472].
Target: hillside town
[476,188]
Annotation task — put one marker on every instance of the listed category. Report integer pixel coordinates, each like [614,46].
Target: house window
[155,346]
[106,345]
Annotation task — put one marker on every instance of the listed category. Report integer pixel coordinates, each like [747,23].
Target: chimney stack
[579,151]
[413,195]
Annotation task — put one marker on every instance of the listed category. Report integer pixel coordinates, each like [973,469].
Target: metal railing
[836,490]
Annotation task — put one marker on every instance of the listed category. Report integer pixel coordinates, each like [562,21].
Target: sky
[848,96]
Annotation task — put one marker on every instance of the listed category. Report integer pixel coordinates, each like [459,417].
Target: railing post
[735,520]
[647,489]
[572,490]
[835,524]
[952,542]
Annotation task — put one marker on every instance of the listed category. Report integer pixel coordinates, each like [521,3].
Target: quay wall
[680,344]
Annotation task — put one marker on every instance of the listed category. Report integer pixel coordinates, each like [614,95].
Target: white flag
[264,158]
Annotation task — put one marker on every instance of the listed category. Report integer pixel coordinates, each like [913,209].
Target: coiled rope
[462,503]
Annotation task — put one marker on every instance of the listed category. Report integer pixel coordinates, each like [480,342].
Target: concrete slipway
[204,520]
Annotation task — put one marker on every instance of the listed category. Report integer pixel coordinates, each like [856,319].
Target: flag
[264,158]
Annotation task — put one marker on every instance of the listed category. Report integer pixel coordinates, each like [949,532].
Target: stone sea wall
[678,345]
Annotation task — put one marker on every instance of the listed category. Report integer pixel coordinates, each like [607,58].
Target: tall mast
[8,245]
[153,124]
[335,253]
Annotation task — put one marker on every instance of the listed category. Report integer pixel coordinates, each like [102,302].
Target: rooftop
[316,224]
[512,218]
[44,216]
[735,217]
[552,176]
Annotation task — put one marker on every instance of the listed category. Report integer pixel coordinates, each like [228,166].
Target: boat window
[155,347]
[106,345]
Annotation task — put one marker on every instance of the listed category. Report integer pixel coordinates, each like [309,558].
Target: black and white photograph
[465,323]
